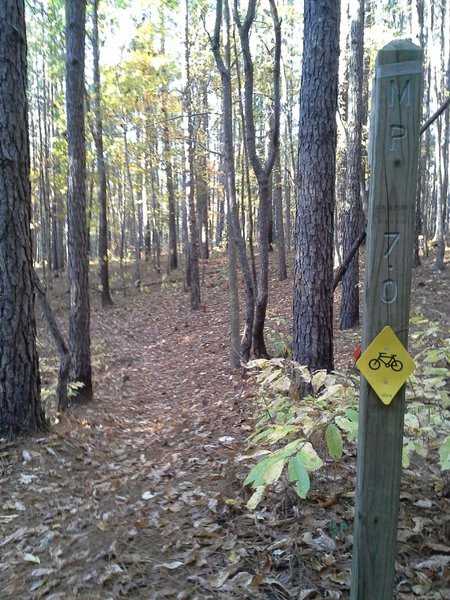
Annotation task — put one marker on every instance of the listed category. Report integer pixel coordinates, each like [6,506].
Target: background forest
[192,134]
[199,180]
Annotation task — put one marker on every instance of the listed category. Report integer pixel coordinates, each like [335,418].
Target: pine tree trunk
[353,214]
[278,203]
[101,169]
[173,253]
[313,294]
[77,233]
[20,406]
[193,253]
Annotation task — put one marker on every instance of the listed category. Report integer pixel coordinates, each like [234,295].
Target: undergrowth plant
[305,419]
[290,426]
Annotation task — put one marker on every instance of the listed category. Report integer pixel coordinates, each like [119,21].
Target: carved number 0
[389,291]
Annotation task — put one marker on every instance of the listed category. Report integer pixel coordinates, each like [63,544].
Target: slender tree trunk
[20,405]
[443,130]
[194,275]
[77,233]
[246,184]
[262,172]
[234,298]
[133,216]
[202,178]
[313,294]
[230,179]
[173,254]
[278,203]
[101,169]
[353,214]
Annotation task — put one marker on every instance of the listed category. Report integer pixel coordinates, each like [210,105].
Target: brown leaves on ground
[140,494]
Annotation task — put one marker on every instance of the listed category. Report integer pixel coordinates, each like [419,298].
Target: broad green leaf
[444,454]
[351,427]
[254,454]
[352,414]
[255,478]
[406,454]
[445,397]
[298,473]
[416,320]
[256,497]
[437,371]
[421,447]
[433,357]
[412,421]
[289,449]
[273,470]
[310,458]
[334,441]
[259,436]
[266,471]
[282,431]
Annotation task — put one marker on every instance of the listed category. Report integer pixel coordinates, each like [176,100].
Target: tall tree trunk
[78,264]
[442,149]
[20,405]
[262,172]
[194,275]
[101,170]
[353,213]
[202,178]
[230,175]
[313,294]
[233,287]
[133,216]
[246,184]
[173,253]
[278,203]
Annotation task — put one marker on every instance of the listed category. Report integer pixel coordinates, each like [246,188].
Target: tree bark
[101,169]
[173,253]
[313,294]
[262,172]
[353,213]
[78,264]
[20,405]
[230,179]
[64,368]
[193,242]
[277,192]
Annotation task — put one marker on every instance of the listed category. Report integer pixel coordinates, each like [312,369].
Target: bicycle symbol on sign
[390,361]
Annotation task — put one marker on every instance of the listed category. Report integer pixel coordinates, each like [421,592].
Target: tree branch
[433,118]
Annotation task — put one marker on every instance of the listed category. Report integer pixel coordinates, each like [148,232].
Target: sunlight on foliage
[300,414]
[287,420]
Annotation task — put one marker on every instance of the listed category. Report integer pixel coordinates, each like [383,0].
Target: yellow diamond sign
[386,364]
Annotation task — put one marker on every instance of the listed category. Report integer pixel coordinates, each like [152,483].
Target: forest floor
[140,495]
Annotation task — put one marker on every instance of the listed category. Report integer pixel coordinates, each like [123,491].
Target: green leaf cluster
[305,420]
[288,421]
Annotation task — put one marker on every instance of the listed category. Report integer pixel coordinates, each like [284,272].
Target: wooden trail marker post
[393,156]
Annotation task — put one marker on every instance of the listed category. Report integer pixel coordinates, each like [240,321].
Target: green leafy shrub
[292,429]
[304,419]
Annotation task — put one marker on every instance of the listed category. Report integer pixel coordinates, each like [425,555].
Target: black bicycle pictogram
[390,361]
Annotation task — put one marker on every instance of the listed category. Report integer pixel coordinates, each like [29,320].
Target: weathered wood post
[393,159]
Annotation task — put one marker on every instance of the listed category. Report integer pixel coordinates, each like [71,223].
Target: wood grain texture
[393,157]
